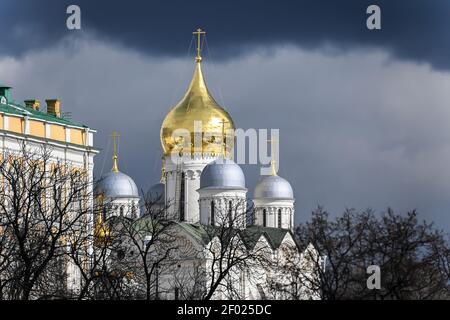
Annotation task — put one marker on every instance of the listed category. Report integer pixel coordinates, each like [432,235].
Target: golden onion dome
[102,233]
[204,122]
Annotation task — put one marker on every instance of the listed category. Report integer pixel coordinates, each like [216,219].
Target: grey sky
[358,128]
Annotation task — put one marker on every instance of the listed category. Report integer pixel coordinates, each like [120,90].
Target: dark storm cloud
[356,130]
[414,29]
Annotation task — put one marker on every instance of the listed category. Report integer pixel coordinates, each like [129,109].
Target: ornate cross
[199,34]
[224,138]
[273,162]
[115,135]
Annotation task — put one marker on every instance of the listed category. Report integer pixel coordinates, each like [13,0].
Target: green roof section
[16,108]
[204,234]
[249,235]
[145,225]
[197,231]
[275,236]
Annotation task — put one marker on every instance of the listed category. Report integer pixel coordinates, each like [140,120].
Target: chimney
[54,107]
[5,91]
[33,104]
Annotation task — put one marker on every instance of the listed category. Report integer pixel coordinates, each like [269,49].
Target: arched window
[182,191]
[230,213]
[133,210]
[177,293]
[104,213]
[279,218]
[213,213]
[264,218]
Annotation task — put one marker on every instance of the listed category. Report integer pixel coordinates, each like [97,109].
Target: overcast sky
[363,115]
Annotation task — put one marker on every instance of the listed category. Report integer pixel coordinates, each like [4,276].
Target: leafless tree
[148,244]
[228,256]
[412,255]
[48,225]
[189,281]
[297,274]
[90,253]
[42,200]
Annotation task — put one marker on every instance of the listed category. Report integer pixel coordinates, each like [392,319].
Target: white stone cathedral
[200,182]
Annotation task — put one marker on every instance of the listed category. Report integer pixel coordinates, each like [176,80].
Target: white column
[5,122]
[192,196]
[47,130]
[27,125]
[67,135]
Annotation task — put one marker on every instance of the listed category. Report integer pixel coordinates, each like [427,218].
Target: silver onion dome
[222,174]
[117,185]
[273,187]
[156,193]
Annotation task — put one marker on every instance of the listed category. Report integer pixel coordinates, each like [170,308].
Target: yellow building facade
[71,145]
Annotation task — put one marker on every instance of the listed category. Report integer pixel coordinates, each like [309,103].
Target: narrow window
[59,196]
[213,213]
[157,282]
[133,210]
[264,218]
[177,293]
[230,213]
[104,213]
[182,189]
[279,218]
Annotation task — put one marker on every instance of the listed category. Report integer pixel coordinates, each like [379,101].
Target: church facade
[203,193]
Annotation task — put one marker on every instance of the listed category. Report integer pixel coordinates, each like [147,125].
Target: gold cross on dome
[224,138]
[273,162]
[115,135]
[199,34]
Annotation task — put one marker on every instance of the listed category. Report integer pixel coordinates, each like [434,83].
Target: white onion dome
[273,187]
[116,185]
[222,174]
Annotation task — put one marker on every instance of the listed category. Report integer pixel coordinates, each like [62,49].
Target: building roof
[250,235]
[197,231]
[274,236]
[16,108]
